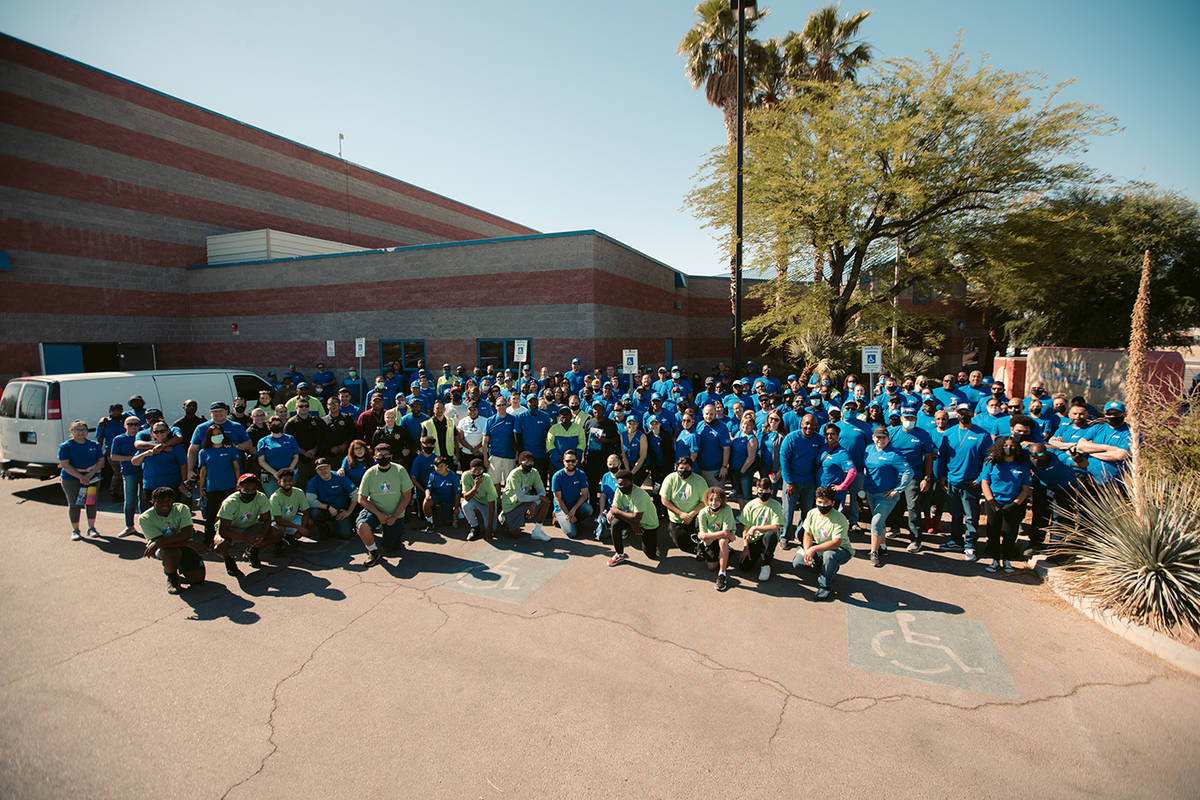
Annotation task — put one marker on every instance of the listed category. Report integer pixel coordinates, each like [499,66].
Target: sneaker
[722,582]
[619,558]
[765,572]
[883,545]
[992,567]
[173,584]
[75,537]
[539,534]
[92,532]
[429,528]
[374,557]
[232,568]
[473,534]
[788,544]
[876,558]
[914,547]
[952,547]
[1008,568]
[969,554]
[127,532]
[253,559]
[823,595]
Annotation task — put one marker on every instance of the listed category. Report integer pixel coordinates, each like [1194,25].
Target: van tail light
[53,410]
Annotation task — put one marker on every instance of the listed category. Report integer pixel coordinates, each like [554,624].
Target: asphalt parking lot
[480,669]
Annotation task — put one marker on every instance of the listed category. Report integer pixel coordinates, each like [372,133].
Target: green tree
[914,154]
[830,50]
[1065,270]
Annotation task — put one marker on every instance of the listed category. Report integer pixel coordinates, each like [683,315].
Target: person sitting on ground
[605,492]
[440,491]
[332,499]
[524,497]
[826,546]
[244,522]
[682,494]
[762,522]
[632,510]
[715,529]
[479,501]
[384,494]
[167,526]
[290,510]
[572,511]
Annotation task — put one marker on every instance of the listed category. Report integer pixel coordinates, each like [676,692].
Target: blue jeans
[133,496]
[826,563]
[963,501]
[803,500]
[342,528]
[744,483]
[581,526]
[881,506]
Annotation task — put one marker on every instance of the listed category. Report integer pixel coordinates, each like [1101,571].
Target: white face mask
[908,424]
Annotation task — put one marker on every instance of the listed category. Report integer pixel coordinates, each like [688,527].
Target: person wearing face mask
[108,429]
[422,467]
[1006,482]
[762,523]
[826,545]
[1060,408]
[1108,446]
[682,494]
[1037,391]
[167,526]
[1054,482]
[916,446]
[798,461]
[524,497]
[384,495]
[1044,421]
[887,475]
[238,412]
[995,418]
[380,390]
[632,510]
[220,466]
[275,452]
[244,523]
[963,450]
[715,530]
[996,393]
[218,413]
[440,490]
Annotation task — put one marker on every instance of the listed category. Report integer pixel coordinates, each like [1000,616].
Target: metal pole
[737,256]
[896,300]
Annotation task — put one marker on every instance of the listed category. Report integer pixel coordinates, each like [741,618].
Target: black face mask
[614,470]
[1116,420]
[247,496]
[276,428]
[383,461]
[764,496]
[685,472]
[1041,461]
[1009,450]
[1017,438]
[824,509]
[624,489]
[239,409]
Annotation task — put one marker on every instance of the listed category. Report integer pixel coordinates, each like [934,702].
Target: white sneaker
[765,572]
[539,534]
[75,537]
[969,554]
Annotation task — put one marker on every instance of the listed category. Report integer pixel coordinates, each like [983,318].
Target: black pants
[683,535]
[650,543]
[215,498]
[761,550]
[1041,515]
[1002,527]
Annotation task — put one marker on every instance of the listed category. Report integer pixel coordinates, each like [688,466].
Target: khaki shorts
[499,468]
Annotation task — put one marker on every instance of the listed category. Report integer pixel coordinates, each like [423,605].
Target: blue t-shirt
[444,487]
[235,432]
[885,470]
[852,438]
[123,446]
[1070,434]
[569,486]
[421,468]
[739,449]
[913,445]
[766,450]
[1058,474]
[335,492]
[531,428]
[576,380]
[798,457]
[835,466]
[163,469]
[608,485]
[81,456]
[687,443]
[222,465]
[501,433]
[1005,479]
[1104,471]
[322,378]
[278,452]
[108,429]
[412,424]
[949,398]
[963,451]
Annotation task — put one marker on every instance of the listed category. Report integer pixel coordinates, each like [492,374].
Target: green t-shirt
[244,515]
[638,500]
[487,489]
[756,512]
[385,489]
[684,495]
[288,506]
[521,487]
[153,525]
[823,527]
[722,520]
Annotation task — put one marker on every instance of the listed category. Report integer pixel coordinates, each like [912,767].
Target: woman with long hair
[358,460]
[1006,482]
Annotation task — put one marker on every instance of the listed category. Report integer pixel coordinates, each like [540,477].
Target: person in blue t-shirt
[887,476]
[107,429]
[576,376]
[164,464]
[332,500]
[277,451]
[500,444]
[80,461]
[1045,419]
[836,466]
[219,465]
[219,415]
[948,394]
[443,491]
[963,450]
[323,382]
[713,450]
[531,427]
[1054,483]
[1006,482]
[122,452]
[297,377]
[1108,446]
[571,508]
[916,445]
[354,386]
[798,460]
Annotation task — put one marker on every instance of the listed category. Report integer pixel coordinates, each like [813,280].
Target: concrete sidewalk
[473,669]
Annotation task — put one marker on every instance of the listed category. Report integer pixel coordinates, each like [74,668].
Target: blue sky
[576,113]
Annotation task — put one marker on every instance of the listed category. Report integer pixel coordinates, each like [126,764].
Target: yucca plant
[1142,564]
[902,361]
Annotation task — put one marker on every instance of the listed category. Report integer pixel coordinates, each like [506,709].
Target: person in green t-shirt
[715,529]
[168,529]
[632,510]
[826,545]
[524,496]
[479,501]
[384,494]
[682,494]
[290,510]
[762,521]
[244,520]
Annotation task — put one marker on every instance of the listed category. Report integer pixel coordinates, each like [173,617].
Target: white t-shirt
[472,430]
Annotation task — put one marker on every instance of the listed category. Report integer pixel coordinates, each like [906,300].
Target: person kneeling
[715,529]
[524,496]
[762,520]
[244,522]
[479,501]
[826,543]
[290,510]
[168,529]
[632,510]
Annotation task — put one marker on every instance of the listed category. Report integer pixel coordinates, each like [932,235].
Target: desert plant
[1142,564]
[817,350]
[903,361]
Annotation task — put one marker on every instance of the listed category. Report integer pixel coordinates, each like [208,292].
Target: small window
[248,387]
[407,352]
[8,403]
[500,353]
[33,401]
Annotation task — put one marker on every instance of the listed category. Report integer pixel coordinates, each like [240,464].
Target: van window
[8,403]
[33,401]
[248,387]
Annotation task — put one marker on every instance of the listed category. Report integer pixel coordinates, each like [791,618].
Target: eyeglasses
[569,461]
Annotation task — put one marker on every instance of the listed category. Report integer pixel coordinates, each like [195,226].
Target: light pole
[744,9]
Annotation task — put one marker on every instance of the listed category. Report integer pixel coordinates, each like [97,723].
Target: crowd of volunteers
[724,468]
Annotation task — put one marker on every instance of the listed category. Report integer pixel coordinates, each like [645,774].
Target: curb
[1174,653]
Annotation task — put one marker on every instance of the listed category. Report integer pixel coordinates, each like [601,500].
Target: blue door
[59,359]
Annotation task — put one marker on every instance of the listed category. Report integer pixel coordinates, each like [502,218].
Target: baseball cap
[656,396]
[576,361]
[247,477]
[791,377]
[749,363]
[962,406]
[446,365]
[218,404]
[908,411]
[675,368]
[1114,405]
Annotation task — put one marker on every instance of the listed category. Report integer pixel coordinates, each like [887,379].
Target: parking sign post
[629,362]
[872,363]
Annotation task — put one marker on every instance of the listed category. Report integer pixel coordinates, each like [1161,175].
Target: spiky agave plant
[1140,565]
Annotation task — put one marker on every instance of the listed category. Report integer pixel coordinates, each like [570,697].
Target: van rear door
[31,425]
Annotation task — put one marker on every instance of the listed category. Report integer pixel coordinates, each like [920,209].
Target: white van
[35,411]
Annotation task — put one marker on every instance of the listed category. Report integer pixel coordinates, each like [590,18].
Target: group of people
[660,458]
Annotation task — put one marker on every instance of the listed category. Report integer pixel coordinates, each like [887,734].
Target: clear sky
[576,113]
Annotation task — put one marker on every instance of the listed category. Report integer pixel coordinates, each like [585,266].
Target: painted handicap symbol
[911,637]
[508,574]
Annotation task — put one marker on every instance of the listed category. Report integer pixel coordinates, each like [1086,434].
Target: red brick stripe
[38,298]
[19,234]
[83,75]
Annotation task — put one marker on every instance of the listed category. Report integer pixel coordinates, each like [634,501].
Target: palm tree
[831,51]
